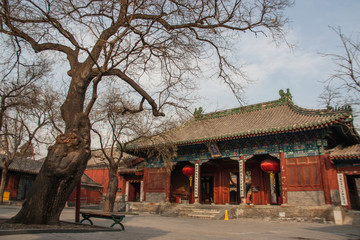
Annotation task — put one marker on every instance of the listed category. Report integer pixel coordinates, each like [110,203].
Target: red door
[260,187]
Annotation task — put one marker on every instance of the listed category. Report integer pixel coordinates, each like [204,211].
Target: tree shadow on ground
[130,232]
[133,233]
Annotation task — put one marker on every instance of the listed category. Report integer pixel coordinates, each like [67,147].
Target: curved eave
[95,185]
[32,172]
[272,131]
[131,171]
[345,157]
[250,134]
[342,111]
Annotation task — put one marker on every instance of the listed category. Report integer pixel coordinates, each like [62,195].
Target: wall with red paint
[12,185]
[156,184]
[87,196]
[102,176]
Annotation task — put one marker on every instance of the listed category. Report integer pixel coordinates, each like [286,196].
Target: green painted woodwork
[299,144]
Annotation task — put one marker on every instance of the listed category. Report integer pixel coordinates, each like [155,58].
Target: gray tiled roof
[344,153]
[26,165]
[30,166]
[267,118]
[88,181]
[98,160]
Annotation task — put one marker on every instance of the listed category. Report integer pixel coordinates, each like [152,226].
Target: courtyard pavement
[154,227]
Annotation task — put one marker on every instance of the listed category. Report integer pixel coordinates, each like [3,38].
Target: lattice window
[303,172]
[157,181]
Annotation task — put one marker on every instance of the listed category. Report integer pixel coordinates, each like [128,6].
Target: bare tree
[20,115]
[152,47]
[330,97]
[22,124]
[343,87]
[115,128]
[18,78]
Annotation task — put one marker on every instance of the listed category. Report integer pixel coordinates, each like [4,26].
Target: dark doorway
[261,188]
[134,192]
[25,183]
[233,187]
[180,184]
[353,182]
[207,189]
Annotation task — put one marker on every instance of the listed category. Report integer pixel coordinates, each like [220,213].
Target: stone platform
[320,214]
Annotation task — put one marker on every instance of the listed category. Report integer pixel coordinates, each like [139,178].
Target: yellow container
[6,196]
[226,217]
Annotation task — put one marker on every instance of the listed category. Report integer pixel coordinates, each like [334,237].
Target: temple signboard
[342,190]
[241,178]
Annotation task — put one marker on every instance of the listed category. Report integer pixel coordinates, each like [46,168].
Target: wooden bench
[117,218]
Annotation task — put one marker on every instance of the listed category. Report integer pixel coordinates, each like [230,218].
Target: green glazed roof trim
[255,107]
[284,100]
[267,118]
[253,133]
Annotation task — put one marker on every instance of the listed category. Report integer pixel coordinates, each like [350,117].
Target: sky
[303,68]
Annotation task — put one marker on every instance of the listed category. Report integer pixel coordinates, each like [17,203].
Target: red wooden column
[146,181]
[284,184]
[197,182]
[225,186]
[324,178]
[168,185]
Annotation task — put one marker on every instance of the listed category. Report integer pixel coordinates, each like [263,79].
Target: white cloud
[272,67]
[301,69]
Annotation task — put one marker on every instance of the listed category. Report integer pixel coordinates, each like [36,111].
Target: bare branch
[137,88]
[346,77]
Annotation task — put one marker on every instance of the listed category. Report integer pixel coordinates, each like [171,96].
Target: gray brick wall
[306,198]
[155,197]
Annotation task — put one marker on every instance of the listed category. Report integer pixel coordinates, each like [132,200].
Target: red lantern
[270,166]
[188,170]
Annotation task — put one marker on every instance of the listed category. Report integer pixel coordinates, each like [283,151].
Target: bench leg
[121,225]
[86,217]
[117,221]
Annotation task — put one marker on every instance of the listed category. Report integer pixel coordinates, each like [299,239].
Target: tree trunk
[4,172]
[111,190]
[64,165]
[62,169]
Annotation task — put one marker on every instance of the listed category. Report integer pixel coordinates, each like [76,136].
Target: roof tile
[259,119]
[341,152]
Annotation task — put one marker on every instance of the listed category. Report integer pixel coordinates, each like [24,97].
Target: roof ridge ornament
[285,96]
[346,107]
[198,112]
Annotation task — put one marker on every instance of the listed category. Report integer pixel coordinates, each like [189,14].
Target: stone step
[204,216]
[200,209]
[207,210]
[356,218]
[133,209]
[198,212]
[351,217]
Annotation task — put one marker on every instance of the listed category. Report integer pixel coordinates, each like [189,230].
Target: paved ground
[144,227]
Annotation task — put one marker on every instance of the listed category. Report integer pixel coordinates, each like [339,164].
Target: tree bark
[64,165]
[62,169]
[111,190]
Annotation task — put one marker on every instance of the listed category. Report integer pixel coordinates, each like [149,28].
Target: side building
[130,175]
[268,153]
[22,173]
